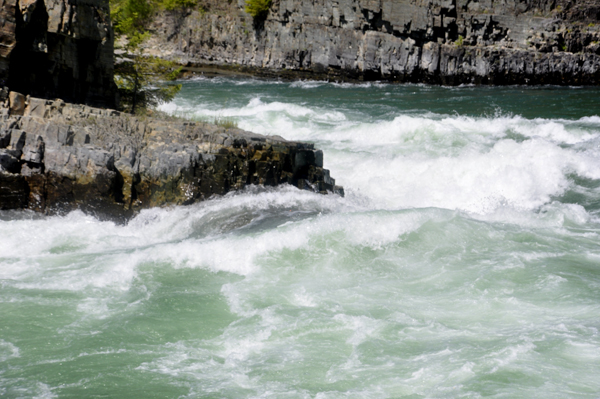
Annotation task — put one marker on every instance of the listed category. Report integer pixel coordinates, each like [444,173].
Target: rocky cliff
[56,157]
[438,41]
[58,49]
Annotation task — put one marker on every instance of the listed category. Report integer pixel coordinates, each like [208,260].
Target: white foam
[552,215]
[376,230]
[240,254]
[362,327]
[96,307]
[113,272]
[464,163]
[308,84]
[522,175]
[509,355]
[35,390]
[8,351]
[594,119]
[77,252]
[558,131]
[303,299]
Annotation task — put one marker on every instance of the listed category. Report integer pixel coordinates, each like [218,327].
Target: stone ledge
[56,157]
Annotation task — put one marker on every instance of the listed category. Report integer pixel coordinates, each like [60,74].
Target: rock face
[58,49]
[56,157]
[437,41]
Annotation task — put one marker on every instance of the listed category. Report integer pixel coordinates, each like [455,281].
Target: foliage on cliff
[135,14]
[130,16]
[258,8]
[175,4]
[143,81]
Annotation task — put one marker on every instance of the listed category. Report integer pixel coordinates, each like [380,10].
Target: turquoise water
[464,261]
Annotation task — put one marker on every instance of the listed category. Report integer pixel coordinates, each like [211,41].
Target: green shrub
[258,8]
[129,15]
[227,123]
[144,81]
[175,4]
[459,41]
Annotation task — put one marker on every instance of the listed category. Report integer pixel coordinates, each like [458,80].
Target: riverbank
[441,42]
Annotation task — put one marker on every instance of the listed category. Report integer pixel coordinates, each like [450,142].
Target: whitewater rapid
[462,262]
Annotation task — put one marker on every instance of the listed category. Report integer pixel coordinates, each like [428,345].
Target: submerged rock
[56,157]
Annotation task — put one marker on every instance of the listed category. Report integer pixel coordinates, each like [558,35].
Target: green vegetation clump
[459,41]
[176,4]
[133,15]
[129,16]
[142,81]
[227,123]
[258,8]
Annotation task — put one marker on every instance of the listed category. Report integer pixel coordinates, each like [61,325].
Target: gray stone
[33,150]
[113,165]
[437,41]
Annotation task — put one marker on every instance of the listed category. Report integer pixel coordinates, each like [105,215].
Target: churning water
[464,261]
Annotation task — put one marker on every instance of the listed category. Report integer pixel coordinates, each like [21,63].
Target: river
[463,262]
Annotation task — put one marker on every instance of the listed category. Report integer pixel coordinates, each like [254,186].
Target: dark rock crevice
[58,49]
[28,70]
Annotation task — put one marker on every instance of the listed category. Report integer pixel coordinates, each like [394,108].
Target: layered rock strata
[437,41]
[58,49]
[56,157]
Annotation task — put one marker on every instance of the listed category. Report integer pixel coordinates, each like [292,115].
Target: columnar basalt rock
[58,49]
[56,157]
[437,41]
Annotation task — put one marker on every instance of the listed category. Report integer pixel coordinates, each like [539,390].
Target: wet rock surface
[56,157]
[436,41]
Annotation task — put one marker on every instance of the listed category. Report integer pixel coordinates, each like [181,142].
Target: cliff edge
[435,41]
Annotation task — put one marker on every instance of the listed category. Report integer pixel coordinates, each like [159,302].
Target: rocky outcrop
[58,49]
[437,41]
[56,157]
